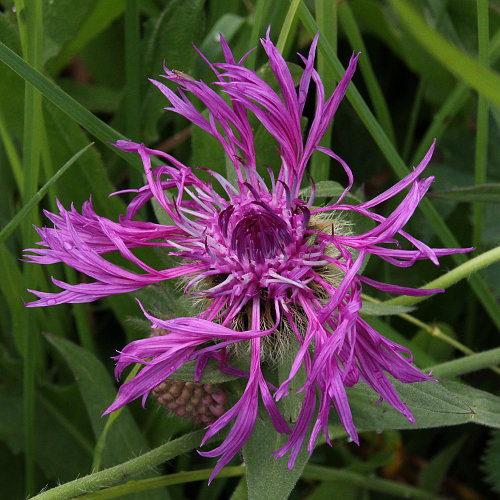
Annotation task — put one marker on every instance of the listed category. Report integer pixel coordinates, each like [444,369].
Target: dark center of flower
[259,234]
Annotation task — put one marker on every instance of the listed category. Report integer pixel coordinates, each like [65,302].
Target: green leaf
[228,24]
[484,193]
[18,218]
[124,438]
[67,137]
[376,309]
[98,18]
[435,471]
[441,351]
[211,374]
[59,450]
[479,77]
[61,21]
[96,98]
[327,189]
[432,405]
[11,473]
[241,491]
[168,41]
[66,103]
[491,462]
[268,478]
[397,163]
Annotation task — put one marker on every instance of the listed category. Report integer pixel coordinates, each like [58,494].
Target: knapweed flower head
[266,265]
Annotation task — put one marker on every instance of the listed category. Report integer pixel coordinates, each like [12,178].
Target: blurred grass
[103,53]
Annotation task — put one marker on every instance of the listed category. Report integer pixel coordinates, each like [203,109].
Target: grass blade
[20,216]
[478,76]
[66,103]
[397,164]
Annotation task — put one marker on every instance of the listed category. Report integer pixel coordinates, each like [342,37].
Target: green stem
[162,481]
[314,472]
[419,97]
[118,473]
[467,364]
[30,20]
[451,277]
[287,24]
[435,331]
[481,156]
[320,473]
[478,76]
[452,105]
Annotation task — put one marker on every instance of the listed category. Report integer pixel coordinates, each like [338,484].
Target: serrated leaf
[375,309]
[433,404]
[484,193]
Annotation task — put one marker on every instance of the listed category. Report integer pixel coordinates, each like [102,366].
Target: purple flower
[268,267]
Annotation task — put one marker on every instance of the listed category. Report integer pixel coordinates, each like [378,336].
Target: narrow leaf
[484,193]
[18,218]
[375,309]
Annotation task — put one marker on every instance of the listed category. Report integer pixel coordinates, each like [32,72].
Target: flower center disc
[260,234]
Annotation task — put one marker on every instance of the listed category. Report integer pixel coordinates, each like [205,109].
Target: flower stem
[161,481]
[451,277]
[435,331]
[287,24]
[467,364]
[113,475]
[400,490]
[315,472]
